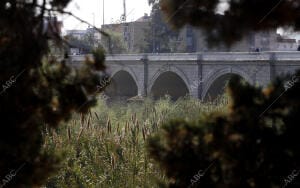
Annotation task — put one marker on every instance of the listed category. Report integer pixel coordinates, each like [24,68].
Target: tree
[238,20]
[242,147]
[115,43]
[38,89]
[255,142]
[159,33]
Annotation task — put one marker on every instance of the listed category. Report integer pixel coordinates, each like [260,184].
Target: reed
[106,148]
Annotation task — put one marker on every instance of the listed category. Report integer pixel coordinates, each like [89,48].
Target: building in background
[287,44]
[79,34]
[194,40]
[189,39]
[83,34]
[83,41]
[133,33]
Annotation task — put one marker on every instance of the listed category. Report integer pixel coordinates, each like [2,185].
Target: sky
[91,11]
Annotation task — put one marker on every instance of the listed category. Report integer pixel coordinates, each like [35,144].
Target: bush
[254,144]
[38,89]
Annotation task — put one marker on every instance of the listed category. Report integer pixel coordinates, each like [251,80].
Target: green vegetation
[159,33]
[254,144]
[42,90]
[115,44]
[37,88]
[107,147]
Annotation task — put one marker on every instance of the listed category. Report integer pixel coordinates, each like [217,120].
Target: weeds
[106,148]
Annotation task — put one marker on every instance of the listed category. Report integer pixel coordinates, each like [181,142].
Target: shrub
[254,144]
[38,89]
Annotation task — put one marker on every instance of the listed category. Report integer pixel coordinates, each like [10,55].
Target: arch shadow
[215,83]
[122,86]
[167,68]
[169,83]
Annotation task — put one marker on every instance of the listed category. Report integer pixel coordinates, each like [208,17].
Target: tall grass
[106,148]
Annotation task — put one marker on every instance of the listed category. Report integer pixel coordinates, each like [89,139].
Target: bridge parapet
[287,56]
[209,57]
[235,57]
[205,56]
[124,57]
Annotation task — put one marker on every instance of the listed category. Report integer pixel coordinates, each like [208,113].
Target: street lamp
[103,11]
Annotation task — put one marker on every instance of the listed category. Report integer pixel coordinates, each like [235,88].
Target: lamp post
[124,9]
[103,11]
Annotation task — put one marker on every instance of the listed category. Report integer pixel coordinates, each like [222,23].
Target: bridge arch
[126,69]
[169,81]
[123,84]
[215,82]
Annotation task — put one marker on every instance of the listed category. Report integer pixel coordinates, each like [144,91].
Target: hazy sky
[113,10]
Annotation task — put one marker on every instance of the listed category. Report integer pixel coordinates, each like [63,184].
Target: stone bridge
[201,75]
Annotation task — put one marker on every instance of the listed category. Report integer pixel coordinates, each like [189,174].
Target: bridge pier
[144,89]
[200,76]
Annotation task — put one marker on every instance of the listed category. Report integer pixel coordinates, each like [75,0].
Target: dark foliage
[253,145]
[38,90]
[242,17]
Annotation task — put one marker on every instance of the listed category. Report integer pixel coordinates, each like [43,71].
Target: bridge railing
[203,56]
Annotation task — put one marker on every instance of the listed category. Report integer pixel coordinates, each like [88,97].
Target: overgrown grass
[107,147]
